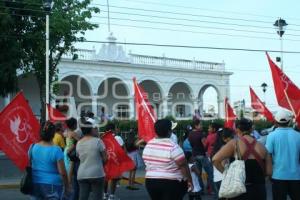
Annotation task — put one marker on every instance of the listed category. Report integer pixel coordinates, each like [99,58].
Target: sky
[209,23]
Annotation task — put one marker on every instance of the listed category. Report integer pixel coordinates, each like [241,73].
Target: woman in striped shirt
[167,173]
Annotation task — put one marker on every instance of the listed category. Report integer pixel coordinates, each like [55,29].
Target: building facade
[102,82]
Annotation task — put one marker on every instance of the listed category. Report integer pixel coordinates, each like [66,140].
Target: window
[122,112]
[180,111]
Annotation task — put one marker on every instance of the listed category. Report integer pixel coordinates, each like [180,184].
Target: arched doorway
[76,90]
[113,99]
[209,101]
[180,102]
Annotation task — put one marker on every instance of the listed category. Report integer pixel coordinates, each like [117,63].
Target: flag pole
[290,104]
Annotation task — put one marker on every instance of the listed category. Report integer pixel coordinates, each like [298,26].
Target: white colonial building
[104,81]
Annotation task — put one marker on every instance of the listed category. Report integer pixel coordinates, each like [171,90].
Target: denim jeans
[203,162]
[47,192]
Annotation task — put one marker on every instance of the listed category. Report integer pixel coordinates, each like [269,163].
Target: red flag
[287,93]
[118,161]
[145,114]
[259,106]
[229,116]
[19,129]
[55,115]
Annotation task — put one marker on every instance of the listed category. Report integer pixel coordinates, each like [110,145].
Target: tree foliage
[24,38]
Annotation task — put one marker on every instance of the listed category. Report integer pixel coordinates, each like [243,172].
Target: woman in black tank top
[255,156]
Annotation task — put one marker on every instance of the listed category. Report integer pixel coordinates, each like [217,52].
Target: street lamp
[281,24]
[264,88]
[47,5]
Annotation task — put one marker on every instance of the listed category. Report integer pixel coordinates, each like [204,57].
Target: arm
[269,165]
[103,156]
[184,168]
[62,171]
[225,152]
[71,172]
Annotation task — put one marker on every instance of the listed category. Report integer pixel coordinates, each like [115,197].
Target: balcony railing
[90,55]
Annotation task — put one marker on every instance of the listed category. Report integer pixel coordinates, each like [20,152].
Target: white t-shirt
[218,176]
[195,178]
[173,137]
[119,140]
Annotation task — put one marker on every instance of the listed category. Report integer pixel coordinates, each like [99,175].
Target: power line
[185,14]
[194,20]
[195,26]
[196,32]
[193,47]
[205,9]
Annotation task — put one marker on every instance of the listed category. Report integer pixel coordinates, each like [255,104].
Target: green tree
[69,20]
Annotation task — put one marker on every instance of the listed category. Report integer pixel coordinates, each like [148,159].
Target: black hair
[222,134]
[90,114]
[286,124]
[163,127]
[58,126]
[110,127]
[47,131]
[196,122]
[215,125]
[87,128]
[245,125]
[71,123]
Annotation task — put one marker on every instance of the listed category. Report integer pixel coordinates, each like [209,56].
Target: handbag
[26,184]
[233,183]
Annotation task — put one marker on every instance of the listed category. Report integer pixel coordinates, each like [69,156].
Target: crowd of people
[70,160]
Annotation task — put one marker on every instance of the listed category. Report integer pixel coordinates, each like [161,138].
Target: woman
[223,137]
[48,169]
[71,139]
[167,172]
[91,153]
[255,156]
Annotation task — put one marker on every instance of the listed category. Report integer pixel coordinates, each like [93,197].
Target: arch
[208,106]
[78,87]
[180,80]
[111,93]
[180,100]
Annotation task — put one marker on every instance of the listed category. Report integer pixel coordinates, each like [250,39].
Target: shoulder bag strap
[237,153]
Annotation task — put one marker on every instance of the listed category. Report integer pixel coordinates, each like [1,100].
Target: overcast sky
[206,23]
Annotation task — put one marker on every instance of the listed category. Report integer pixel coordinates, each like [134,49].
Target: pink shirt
[160,156]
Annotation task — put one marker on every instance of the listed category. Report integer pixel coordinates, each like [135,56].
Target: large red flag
[118,161]
[19,129]
[287,93]
[259,106]
[230,117]
[55,115]
[145,114]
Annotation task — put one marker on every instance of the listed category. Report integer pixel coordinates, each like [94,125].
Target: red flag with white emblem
[55,115]
[118,161]
[145,114]
[19,129]
[260,107]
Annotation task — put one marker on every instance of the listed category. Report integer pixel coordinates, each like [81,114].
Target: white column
[132,109]
[165,110]
[94,104]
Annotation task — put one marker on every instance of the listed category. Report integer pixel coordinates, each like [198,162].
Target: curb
[123,182]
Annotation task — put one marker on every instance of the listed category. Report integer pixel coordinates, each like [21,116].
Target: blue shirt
[187,146]
[284,146]
[44,164]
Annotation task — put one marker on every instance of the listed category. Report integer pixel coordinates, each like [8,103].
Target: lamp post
[264,88]
[281,24]
[47,5]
